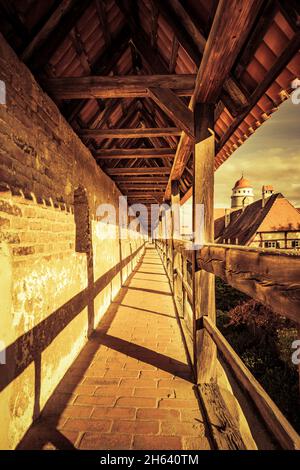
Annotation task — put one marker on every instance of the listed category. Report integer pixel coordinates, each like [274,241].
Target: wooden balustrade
[268,276]
[271,277]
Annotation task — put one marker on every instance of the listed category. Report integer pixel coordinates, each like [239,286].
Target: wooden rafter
[128,86]
[41,54]
[101,11]
[189,25]
[134,153]
[141,180]
[181,34]
[48,27]
[174,54]
[103,66]
[80,50]
[144,187]
[154,24]
[174,107]
[139,133]
[194,43]
[263,22]
[138,171]
[235,20]
[263,86]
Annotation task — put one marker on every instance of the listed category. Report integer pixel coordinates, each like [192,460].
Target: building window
[271,244]
[295,243]
[82,221]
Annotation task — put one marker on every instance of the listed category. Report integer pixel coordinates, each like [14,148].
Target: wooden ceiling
[127,75]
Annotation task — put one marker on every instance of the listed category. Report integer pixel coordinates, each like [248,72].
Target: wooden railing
[271,277]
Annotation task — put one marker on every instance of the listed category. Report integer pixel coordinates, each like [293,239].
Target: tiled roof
[260,79]
[278,214]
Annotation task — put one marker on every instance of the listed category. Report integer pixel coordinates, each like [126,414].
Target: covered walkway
[143,99]
[132,386]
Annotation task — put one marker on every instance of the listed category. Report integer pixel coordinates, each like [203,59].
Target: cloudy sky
[270,156]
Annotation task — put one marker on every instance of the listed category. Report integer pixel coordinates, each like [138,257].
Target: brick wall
[52,295]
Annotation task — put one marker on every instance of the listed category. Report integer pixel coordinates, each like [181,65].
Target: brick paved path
[131,387]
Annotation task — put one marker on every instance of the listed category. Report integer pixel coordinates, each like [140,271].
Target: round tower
[242,193]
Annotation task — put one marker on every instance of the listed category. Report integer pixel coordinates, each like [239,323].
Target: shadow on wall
[45,432]
[29,347]
[84,244]
[35,341]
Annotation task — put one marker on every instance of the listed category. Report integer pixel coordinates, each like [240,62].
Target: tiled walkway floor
[131,387]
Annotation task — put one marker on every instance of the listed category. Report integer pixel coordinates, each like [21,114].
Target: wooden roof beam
[80,50]
[50,24]
[138,171]
[130,117]
[174,54]
[145,187]
[156,120]
[144,195]
[176,25]
[232,23]
[45,45]
[235,20]
[282,61]
[175,108]
[112,154]
[142,42]
[165,99]
[189,25]
[154,24]
[101,11]
[194,43]
[137,133]
[103,66]
[128,86]
[140,180]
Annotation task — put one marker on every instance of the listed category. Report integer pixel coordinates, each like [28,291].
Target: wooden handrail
[272,416]
[271,277]
[267,275]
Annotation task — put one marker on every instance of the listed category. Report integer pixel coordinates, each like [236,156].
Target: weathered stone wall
[51,294]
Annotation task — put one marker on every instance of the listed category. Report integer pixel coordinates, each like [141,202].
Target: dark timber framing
[142,119]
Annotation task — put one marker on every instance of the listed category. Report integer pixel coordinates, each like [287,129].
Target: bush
[263,341]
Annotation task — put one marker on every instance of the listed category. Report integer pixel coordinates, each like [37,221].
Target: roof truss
[134,104]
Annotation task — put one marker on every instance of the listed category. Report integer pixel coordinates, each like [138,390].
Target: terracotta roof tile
[278,214]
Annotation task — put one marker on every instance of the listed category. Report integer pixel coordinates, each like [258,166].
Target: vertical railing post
[159,232]
[168,228]
[175,229]
[205,351]
[164,232]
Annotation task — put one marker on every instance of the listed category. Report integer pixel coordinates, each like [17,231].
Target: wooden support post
[168,240]
[159,233]
[205,351]
[175,214]
[163,232]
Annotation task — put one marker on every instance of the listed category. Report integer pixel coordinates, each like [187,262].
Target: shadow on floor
[44,430]
[151,291]
[147,311]
[44,433]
